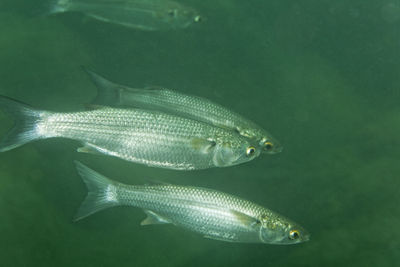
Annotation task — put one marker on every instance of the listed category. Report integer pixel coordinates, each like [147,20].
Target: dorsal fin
[108,92]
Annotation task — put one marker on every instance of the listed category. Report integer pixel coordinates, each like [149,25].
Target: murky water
[321,76]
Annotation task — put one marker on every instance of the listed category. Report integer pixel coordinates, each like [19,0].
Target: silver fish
[147,15]
[194,107]
[213,214]
[148,137]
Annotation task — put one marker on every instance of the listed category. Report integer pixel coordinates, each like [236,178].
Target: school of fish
[161,128]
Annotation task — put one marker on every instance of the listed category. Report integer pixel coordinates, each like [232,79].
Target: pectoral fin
[203,145]
[245,219]
[153,218]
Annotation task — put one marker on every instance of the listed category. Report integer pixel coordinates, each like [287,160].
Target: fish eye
[268,145]
[294,234]
[250,150]
[198,19]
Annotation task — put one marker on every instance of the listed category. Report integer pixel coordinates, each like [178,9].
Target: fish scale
[200,210]
[213,214]
[190,106]
[143,136]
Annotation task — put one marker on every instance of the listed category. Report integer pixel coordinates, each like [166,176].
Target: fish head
[265,141]
[280,231]
[235,151]
[179,16]
[269,145]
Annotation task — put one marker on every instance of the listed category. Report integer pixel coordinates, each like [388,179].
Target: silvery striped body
[174,102]
[208,212]
[148,137]
[211,213]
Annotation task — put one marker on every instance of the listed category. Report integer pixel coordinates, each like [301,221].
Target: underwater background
[322,76]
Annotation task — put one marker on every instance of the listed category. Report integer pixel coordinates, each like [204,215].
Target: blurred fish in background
[148,15]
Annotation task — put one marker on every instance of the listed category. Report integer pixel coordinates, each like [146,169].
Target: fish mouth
[275,150]
[270,146]
[306,236]
[278,149]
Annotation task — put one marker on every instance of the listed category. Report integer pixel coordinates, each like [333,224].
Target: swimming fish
[194,107]
[148,137]
[147,15]
[211,213]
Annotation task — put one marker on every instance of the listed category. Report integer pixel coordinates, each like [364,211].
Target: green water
[322,76]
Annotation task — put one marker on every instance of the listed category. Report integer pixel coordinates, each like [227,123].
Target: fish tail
[102,192]
[108,93]
[26,120]
[56,6]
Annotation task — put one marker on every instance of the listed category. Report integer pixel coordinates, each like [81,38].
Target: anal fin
[153,218]
[219,238]
[91,149]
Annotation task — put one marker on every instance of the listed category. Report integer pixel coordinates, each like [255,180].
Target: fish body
[211,213]
[148,137]
[147,15]
[193,107]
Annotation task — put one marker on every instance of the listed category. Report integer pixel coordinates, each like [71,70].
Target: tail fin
[56,6]
[108,93]
[24,129]
[102,192]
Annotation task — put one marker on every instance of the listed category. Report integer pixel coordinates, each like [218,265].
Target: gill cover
[224,156]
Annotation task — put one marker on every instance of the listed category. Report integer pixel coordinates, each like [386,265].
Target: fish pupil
[250,151]
[294,235]
[268,146]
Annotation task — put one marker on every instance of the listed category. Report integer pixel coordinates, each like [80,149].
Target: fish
[213,214]
[142,136]
[193,107]
[147,15]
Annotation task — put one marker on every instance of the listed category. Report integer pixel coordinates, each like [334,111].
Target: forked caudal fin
[24,129]
[102,192]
